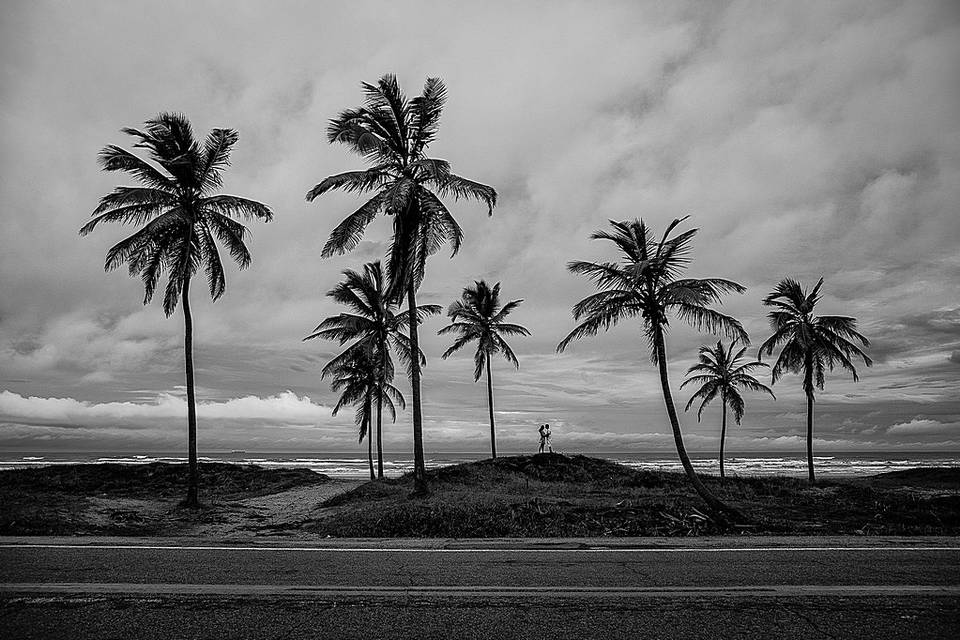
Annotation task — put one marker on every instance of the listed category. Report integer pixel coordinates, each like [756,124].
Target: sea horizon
[351,465]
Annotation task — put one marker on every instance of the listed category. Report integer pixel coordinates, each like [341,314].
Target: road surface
[593,588]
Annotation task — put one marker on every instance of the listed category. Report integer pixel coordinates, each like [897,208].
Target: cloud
[922,427]
[98,345]
[283,408]
[806,140]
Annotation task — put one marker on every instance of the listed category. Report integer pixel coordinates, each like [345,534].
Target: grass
[555,495]
[51,500]
[546,495]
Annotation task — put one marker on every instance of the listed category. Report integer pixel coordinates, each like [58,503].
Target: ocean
[351,465]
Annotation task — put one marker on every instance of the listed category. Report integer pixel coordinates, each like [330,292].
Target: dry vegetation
[526,496]
[554,495]
[119,499]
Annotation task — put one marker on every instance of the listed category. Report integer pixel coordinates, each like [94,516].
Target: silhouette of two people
[544,431]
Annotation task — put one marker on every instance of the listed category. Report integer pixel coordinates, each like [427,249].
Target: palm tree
[479,316]
[646,284]
[183,218]
[392,134]
[359,378]
[374,325]
[809,344]
[719,372]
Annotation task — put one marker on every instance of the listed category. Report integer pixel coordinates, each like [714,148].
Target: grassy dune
[123,499]
[545,495]
[555,495]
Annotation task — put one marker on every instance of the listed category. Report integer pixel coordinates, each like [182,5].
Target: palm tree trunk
[808,389]
[367,415]
[383,384]
[379,437]
[723,432]
[193,482]
[812,479]
[493,432]
[712,501]
[419,468]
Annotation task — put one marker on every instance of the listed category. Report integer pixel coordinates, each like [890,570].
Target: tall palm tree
[392,133]
[809,344]
[374,325]
[719,372]
[359,380]
[646,284]
[479,316]
[183,218]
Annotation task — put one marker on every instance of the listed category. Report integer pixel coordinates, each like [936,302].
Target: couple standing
[544,431]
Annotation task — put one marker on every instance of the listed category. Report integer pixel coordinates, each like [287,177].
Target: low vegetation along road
[624,588]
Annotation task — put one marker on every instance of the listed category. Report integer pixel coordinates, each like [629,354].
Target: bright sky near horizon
[804,139]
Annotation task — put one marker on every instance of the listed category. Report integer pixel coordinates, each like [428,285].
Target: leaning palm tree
[809,344]
[374,325]
[646,284]
[719,372]
[359,380]
[183,218]
[392,134]
[479,316]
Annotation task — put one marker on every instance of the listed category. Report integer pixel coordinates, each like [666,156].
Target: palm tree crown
[646,284]
[809,344]
[478,316]
[392,134]
[182,216]
[374,323]
[357,379]
[719,372]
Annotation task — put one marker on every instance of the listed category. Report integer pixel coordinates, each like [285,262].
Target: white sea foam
[347,466]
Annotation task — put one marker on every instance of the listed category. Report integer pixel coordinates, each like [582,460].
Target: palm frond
[460,187]
[155,236]
[706,319]
[210,259]
[458,344]
[425,112]
[507,352]
[736,403]
[131,214]
[126,196]
[592,325]
[352,181]
[216,157]
[479,362]
[233,235]
[348,233]
[235,206]
[114,158]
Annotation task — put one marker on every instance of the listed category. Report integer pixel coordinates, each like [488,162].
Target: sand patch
[276,514]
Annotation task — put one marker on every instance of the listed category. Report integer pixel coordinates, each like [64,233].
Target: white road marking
[137,589]
[470,550]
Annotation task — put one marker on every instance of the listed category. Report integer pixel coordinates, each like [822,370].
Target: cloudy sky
[804,139]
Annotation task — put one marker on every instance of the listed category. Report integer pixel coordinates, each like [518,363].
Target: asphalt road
[729,587]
